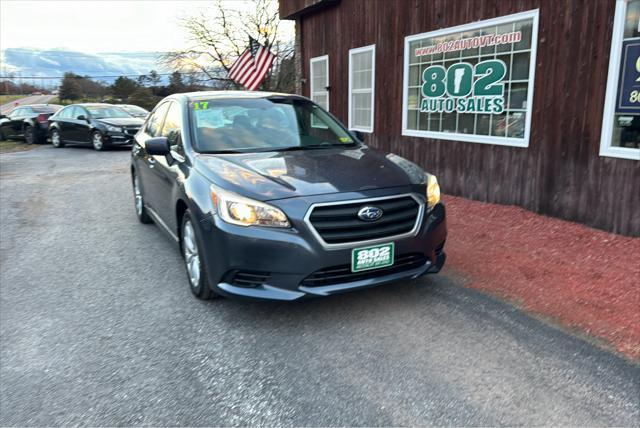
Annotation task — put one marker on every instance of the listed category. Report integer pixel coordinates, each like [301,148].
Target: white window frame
[484,139]
[606,138]
[323,91]
[372,49]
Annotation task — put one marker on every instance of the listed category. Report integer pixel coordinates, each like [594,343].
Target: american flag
[252,66]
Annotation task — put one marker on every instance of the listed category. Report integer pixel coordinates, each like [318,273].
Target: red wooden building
[528,102]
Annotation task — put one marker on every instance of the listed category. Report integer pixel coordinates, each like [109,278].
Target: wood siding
[560,173]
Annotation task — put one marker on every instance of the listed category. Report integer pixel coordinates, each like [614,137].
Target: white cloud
[95,26]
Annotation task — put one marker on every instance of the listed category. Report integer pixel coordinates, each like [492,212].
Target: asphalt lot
[98,327]
[31,99]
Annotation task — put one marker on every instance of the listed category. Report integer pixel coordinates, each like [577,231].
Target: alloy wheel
[191,255]
[55,138]
[137,195]
[97,141]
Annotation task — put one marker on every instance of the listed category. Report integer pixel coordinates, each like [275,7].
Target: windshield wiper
[314,146]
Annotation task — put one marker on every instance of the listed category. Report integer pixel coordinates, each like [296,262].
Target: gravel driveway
[98,327]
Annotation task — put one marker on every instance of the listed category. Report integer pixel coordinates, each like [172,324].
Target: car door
[146,164]
[14,126]
[81,125]
[64,121]
[168,170]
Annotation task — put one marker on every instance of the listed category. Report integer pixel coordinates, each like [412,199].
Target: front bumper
[118,138]
[285,258]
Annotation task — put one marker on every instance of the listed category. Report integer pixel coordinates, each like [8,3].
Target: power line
[99,77]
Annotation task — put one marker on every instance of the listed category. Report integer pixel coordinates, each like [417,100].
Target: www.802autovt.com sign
[464,87]
[473,82]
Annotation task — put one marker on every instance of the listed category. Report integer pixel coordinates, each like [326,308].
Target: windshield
[263,124]
[45,109]
[107,112]
[134,109]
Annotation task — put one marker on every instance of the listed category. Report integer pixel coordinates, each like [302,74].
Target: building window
[473,82]
[621,121]
[362,77]
[320,81]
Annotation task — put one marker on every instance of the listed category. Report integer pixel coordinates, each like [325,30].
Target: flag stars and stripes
[251,68]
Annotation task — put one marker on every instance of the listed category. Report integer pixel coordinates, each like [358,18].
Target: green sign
[464,88]
[373,257]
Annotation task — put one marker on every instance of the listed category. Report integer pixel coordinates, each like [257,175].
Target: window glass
[626,116]
[65,113]
[172,127]
[320,81]
[474,83]
[81,111]
[18,112]
[245,125]
[155,120]
[101,112]
[361,87]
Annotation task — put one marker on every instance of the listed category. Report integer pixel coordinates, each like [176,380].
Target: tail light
[43,118]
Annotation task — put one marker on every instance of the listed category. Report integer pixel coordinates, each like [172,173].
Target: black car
[101,125]
[270,197]
[134,110]
[30,122]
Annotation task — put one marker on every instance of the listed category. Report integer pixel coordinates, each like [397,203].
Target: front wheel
[193,260]
[141,211]
[97,141]
[55,139]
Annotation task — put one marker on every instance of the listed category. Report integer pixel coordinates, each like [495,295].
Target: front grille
[342,274]
[243,278]
[339,224]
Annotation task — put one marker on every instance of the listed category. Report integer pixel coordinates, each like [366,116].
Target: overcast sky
[96,26]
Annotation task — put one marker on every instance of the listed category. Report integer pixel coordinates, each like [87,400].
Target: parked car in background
[30,122]
[270,197]
[134,110]
[99,125]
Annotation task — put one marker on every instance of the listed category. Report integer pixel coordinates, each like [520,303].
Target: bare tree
[219,36]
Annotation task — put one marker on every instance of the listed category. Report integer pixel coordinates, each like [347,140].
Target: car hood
[122,121]
[276,175]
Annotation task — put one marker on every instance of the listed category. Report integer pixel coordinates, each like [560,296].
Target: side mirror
[157,146]
[81,117]
[2,116]
[359,135]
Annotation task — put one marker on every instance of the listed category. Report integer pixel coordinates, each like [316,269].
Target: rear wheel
[55,138]
[193,261]
[97,141]
[141,211]
[29,135]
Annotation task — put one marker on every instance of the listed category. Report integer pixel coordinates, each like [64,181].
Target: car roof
[94,105]
[38,105]
[190,96]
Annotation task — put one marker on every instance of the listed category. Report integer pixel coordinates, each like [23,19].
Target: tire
[29,134]
[2,137]
[98,141]
[56,139]
[138,200]
[192,256]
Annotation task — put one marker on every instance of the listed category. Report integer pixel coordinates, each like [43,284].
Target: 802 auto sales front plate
[372,257]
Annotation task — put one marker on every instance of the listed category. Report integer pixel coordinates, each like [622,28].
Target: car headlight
[236,209]
[433,191]
[111,128]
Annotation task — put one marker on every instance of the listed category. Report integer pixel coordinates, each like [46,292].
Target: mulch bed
[585,279]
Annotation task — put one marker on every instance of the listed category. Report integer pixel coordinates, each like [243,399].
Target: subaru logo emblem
[369,213]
